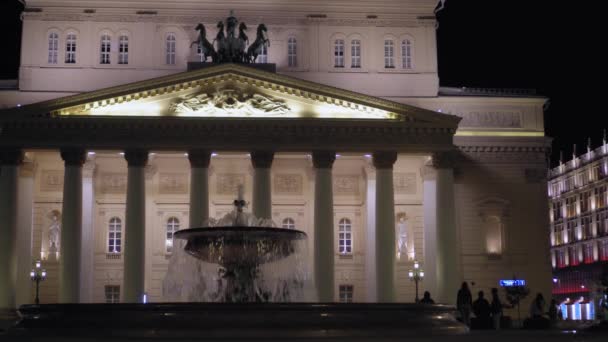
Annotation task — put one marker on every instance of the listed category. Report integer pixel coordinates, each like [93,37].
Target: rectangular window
[603,249]
[557,210]
[571,207]
[70,49]
[53,48]
[339,53]
[588,253]
[355,54]
[570,230]
[170,50]
[573,255]
[406,54]
[292,56]
[123,50]
[558,233]
[112,293]
[389,54]
[263,56]
[346,293]
[601,219]
[586,227]
[561,258]
[599,194]
[105,50]
[585,201]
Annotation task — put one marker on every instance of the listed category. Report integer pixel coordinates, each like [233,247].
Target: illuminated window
[406,54]
[105,49]
[389,54]
[115,235]
[571,207]
[557,210]
[493,235]
[585,201]
[172,227]
[558,233]
[123,50]
[586,227]
[345,241]
[292,52]
[289,223]
[603,249]
[601,219]
[355,53]
[263,56]
[573,256]
[170,49]
[346,293]
[53,48]
[588,253]
[600,196]
[339,53]
[112,293]
[70,48]
[570,231]
[561,258]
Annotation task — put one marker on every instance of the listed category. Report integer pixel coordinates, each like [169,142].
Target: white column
[88,231]
[25,189]
[324,226]
[444,243]
[370,241]
[199,187]
[9,168]
[385,226]
[262,193]
[71,226]
[430,231]
[135,227]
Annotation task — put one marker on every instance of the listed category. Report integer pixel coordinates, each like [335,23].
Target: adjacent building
[579,231]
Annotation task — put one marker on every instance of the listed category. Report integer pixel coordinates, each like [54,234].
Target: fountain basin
[241,245]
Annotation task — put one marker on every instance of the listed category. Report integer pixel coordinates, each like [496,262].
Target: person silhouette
[464,302]
[426,298]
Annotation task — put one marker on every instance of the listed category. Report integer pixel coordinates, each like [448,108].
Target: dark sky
[541,44]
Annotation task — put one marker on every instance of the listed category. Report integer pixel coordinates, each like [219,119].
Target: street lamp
[38,274]
[416,275]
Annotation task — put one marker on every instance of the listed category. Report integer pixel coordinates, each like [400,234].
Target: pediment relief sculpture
[229,101]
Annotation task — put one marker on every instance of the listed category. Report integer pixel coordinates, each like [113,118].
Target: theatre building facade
[111,143]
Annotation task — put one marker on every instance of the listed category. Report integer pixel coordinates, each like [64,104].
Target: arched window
[105,47]
[389,54]
[345,240]
[70,48]
[289,223]
[263,56]
[170,49]
[53,47]
[115,235]
[339,53]
[493,235]
[172,227]
[292,52]
[406,54]
[355,53]
[123,49]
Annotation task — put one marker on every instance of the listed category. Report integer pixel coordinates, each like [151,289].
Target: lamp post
[416,275]
[38,274]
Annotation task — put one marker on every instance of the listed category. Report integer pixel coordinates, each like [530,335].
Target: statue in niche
[54,232]
[405,245]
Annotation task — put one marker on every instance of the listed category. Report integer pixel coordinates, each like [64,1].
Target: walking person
[464,302]
[496,309]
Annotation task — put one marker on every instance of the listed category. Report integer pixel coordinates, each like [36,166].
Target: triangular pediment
[231,90]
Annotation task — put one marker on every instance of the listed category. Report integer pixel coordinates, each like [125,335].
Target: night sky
[540,44]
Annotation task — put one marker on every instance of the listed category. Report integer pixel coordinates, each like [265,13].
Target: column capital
[73,156]
[323,159]
[443,160]
[11,156]
[262,159]
[384,159]
[136,157]
[199,158]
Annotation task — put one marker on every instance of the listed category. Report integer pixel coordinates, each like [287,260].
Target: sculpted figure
[54,231]
[204,45]
[255,49]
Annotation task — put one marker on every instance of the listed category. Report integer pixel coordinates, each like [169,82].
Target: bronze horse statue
[255,49]
[242,42]
[222,44]
[204,45]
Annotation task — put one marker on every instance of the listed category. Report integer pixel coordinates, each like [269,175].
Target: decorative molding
[405,183]
[490,119]
[346,185]
[504,154]
[288,184]
[173,183]
[113,183]
[227,183]
[51,180]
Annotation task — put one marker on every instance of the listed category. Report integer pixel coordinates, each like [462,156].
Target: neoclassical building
[110,143]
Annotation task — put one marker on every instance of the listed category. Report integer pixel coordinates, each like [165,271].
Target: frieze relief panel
[288,184]
[173,183]
[227,183]
[51,180]
[490,119]
[113,183]
[404,183]
[346,185]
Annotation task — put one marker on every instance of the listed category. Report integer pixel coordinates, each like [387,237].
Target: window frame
[356,58]
[288,223]
[292,52]
[345,236]
[111,294]
[339,47]
[105,49]
[346,293]
[389,53]
[124,42]
[71,45]
[172,225]
[114,242]
[53,48]
[171,49]
[407,48]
